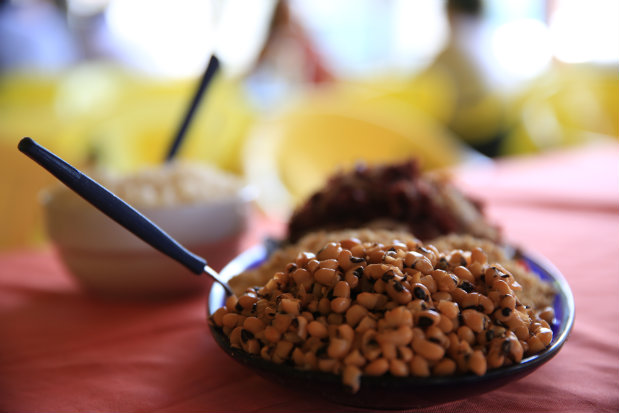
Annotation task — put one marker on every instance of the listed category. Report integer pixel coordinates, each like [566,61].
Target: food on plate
[392,196]
[365,302]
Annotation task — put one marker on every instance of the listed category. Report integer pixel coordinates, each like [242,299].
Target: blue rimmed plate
[389,392]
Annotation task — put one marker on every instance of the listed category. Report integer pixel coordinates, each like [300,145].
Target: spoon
[118,210]
[207,76]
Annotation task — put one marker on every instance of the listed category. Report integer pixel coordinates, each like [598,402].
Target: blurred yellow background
[315,95]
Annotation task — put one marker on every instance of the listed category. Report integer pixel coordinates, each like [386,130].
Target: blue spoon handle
[111,205]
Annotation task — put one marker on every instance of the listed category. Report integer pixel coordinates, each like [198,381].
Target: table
[64,351]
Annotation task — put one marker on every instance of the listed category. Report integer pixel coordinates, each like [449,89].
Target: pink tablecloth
[61,350]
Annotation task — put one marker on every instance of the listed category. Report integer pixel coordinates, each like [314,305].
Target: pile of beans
[403,309]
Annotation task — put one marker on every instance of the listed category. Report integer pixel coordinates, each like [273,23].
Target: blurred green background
[306,86]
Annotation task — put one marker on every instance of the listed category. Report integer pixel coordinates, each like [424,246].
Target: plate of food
[374,317]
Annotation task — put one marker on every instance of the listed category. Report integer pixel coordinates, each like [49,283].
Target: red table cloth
[63,351]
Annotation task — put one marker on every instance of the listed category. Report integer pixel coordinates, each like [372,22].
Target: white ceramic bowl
[108,260]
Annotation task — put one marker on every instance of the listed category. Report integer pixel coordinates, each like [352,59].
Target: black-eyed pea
[457,258]
[247,300]
[420,292]
[419,366]
[235,337]
[231,303]
[405,353]
[470,300]
[355,358]
[368,300]
[496,353]
[478,255]
[230,320]
[251,346]
[272,334]
[358,251]
[458,295]
[446,325]
[486,304]
[324,306]
[352,275]
[388,350]
[344,259]
[475,320]
[375,255]
[340,304]
[522,332]
[464,274]
[543,323]
[519,319]
[290,306]
[282,350]
[253,324]
[341,289]
[427,318]
[354,314]
[375,271]
[329,251]
[351,377]
[281,322]
[444,367]
[312,265]
[217,317]
[338,348]
[379,286]
[335,319]
[476,269]
[398,292]
[398,368]
[445,281]
[435,335]
[429,282]
[535,345]
[426,348]
[466,334]
[441,296]
[508,301]
[303,258]
[331,264]
[477,363]
[501,286]
[402,336]
[265,353]
[503,314]
[547,314]
[301,325]
[317,329]
[350,242]
[369,345]
[399,316]
[448,308]
[515,350]
[326,276]
[545,336]
[366,323]
[302,277]
[377,367]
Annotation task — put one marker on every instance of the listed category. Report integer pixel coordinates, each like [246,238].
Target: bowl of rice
[203,208]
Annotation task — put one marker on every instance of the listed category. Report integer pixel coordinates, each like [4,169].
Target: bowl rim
[549,272]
